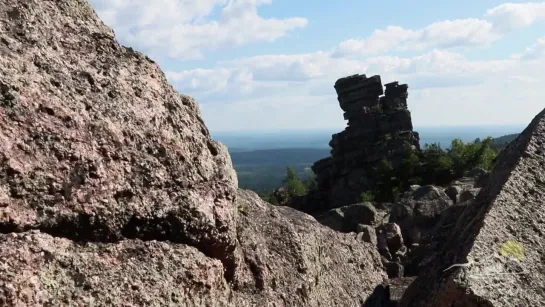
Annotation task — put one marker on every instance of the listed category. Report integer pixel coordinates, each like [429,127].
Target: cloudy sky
[271,64]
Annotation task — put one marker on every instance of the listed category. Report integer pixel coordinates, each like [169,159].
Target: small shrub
[367,196]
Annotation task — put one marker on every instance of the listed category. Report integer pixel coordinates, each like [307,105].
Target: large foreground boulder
[495,255]
[112,192]
[96,145]
[284,258]
[292,260]
[41,270]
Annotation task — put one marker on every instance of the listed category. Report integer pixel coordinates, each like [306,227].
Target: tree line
[431,165]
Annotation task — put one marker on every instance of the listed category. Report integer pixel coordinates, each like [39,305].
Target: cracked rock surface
[496,248]
[290,259]
[112,191]
[95,144]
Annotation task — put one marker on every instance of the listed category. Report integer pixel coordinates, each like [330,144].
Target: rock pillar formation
[379,127]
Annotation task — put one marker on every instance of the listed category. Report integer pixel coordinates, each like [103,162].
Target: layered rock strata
[379,127]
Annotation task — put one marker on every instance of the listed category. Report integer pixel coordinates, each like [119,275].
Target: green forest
[432,165]
[265,170]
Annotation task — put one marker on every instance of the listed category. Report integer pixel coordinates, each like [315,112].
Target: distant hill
[502,141]
[264,170]
[264,140]
[288,156]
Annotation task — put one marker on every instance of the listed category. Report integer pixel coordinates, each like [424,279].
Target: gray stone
[379,298]
[281,247]
[394,269]
[468,195]
[476,172]
[402,252]
[334,219]
[378,128]
[453,192]
[367,233]
[347,219]
[481,181]
[394,237]
[414,187]
[362,213]
[494,255]
[428,202]
[479,175]
[397,288]
[430,209]
[382,244]
[102,148]
[427,192]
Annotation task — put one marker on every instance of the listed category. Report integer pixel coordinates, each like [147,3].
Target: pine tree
[294,185]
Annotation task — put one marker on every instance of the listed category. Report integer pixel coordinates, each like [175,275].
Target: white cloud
[443,34]
[209,81]
[315,73]
[437,61]
[524,79]
[535,52]
[448,33]
[379,41]
[296,91]
[184,28]
[297,67]
[509,16]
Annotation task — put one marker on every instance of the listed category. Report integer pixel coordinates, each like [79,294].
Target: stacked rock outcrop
[379,127]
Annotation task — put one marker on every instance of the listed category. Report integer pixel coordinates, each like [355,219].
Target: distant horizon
[251,140]
[416,128]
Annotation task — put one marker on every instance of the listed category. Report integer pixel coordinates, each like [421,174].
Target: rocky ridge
[493,254]
[112,191]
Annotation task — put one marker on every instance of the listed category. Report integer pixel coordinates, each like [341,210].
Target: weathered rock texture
[497,245]
[417,212]
[41,270]
[347,219]
[112,192]
[406,233]
[295,261]
[284,258]
[94,143]
[379,127]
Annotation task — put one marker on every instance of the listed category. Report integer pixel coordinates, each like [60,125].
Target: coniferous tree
[293,183]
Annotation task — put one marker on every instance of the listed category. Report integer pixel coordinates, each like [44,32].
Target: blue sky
[271,64]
